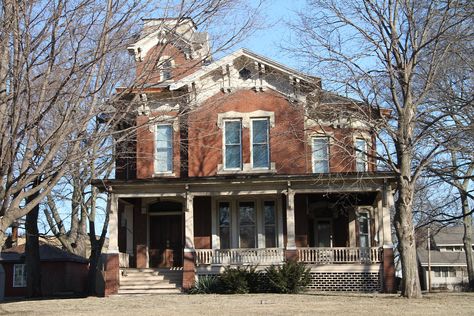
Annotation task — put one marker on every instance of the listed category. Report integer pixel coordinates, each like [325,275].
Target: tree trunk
[33,263]
[467,239]
[406,239]
[93,268]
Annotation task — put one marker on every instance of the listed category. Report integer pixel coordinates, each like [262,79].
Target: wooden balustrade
[240,256]
[319,255]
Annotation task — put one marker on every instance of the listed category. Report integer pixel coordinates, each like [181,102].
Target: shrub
[206,284]
[291,277]
[234,280]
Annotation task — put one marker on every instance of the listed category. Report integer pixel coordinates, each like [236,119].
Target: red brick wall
[148,72]
[202,222]
[205,138]
[56,277]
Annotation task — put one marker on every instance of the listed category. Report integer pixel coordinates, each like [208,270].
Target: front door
[323,232]
[166,241]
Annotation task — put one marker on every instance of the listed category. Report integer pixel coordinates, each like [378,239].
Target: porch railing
[239,256]
[339,255]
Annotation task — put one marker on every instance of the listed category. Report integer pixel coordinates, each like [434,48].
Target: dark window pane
[247,236]
[246,213]
[224,237]
[232,156]
[224,214]
[260,131]
[270,237]
[232,132]
[260,156]
[269,212]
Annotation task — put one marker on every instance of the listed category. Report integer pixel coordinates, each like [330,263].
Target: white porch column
[386,205]
[290,220]
[112,209]
[189,224]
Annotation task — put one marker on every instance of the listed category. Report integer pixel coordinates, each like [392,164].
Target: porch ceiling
[248,184]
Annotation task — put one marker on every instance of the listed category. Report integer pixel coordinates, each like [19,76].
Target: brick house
[229,168]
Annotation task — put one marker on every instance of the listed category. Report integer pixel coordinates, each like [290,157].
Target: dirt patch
[254,304]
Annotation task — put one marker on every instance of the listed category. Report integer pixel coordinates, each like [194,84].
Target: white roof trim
[227,59]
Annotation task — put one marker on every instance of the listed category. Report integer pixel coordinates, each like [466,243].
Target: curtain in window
[364,230]
[321,155]
[260,148]
[164,148]
[233,144]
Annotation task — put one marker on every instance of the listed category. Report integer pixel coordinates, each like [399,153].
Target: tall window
[320,154]
[269,218]
[166,70]
[260,144]
[233,144]
[19,275]
[224,225]
[361,157]
[247,221]
[164,149]
[364,230]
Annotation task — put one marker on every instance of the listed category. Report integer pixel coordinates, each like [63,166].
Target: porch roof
[258,183]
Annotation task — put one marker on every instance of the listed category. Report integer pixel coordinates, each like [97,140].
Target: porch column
[111,264]
[189,269]
[291,253]
[388,256]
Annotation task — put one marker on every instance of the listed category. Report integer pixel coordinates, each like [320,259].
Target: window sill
[164,174]
[246,169]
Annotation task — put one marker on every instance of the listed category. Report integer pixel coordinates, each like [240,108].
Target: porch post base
[291,255]
[189,270]
[388,271]
[111,273]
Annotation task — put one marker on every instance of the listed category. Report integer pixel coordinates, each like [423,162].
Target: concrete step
[147,282]
[151,291]
[150,277]
[147,286]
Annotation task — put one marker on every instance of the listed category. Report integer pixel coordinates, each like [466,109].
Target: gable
[246,70]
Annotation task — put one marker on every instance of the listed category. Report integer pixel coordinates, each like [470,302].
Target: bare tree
[60,63]
[389,55]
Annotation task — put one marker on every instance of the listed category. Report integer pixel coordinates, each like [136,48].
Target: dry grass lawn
[252,304]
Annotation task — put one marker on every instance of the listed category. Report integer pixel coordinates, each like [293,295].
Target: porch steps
[150,281]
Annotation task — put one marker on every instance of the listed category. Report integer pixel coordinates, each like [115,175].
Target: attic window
[245,74]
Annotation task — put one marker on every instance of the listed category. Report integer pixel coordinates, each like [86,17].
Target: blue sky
[267,41]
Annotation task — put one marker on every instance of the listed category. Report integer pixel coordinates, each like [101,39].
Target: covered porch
[202,226]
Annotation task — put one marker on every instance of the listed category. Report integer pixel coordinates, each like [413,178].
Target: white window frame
[313,160]
[22,281]
[161,64]
[359,215]
[235,220]
[224,143]
[267,119]
[361,155]
[155,160]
